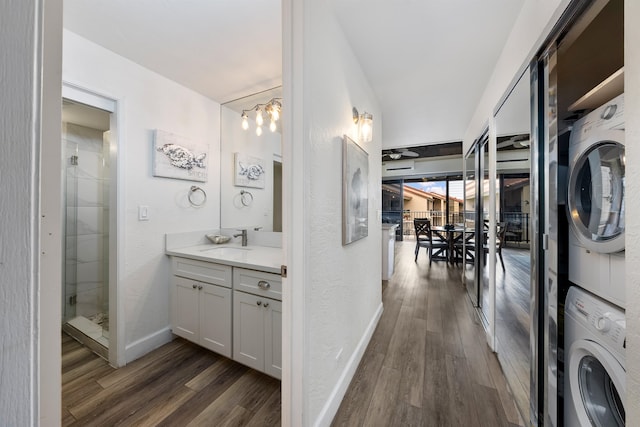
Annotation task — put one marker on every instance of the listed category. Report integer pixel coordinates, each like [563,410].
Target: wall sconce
[272,110]
[365,125]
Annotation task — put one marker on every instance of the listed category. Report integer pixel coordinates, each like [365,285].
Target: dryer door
[596,194]
[597,385]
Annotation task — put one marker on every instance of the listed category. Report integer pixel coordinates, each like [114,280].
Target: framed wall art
[177,157]
[249,171]
[355,191]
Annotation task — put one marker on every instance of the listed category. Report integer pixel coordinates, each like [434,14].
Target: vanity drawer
[208,272]
[258,283]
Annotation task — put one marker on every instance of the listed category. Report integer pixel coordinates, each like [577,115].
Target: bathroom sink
[226,250]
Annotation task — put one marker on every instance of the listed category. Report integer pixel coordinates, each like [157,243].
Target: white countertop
[262,258]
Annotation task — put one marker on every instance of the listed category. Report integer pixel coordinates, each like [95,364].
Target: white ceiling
[428,61]
[224,49]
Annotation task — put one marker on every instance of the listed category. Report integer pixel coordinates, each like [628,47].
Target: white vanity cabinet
[201,303]
[257,320]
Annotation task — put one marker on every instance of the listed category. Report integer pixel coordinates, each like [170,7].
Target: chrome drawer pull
[263,284]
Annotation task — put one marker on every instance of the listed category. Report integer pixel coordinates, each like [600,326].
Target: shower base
[91,334]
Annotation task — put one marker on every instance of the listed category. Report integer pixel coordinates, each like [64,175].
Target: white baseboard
[146,344]
[335,398]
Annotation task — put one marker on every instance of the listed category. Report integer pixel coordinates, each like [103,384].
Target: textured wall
[342,283]
[18,214]
[148,101]
[632,139]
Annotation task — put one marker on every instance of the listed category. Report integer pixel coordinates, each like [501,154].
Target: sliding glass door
[441,199]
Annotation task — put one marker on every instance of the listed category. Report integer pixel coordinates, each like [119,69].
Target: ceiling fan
[517,141]
[400,152]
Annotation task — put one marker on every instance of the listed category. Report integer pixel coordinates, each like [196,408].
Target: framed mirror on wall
[251,162]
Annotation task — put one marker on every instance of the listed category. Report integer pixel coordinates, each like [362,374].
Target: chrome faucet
[243,234]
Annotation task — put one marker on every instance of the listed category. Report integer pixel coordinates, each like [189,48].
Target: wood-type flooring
[427,364]
[179,384]
[513,323]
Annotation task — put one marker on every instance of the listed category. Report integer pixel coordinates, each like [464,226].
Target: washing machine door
[597,385]
[596,193]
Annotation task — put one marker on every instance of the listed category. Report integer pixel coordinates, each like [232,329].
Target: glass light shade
[275,111]
[365,123]
[245,122]
[259,118]
[272,125]
[259,130]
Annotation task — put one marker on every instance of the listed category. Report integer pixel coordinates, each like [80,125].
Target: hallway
[428,363]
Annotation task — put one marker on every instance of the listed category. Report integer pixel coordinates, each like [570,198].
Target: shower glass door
[86,145]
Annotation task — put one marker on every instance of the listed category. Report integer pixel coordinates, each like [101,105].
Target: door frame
[91,98]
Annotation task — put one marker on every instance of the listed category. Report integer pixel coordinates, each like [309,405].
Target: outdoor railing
[438,219]
[517,222]
[517,226]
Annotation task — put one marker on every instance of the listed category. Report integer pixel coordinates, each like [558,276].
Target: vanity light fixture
[272,110]
[365,125]
[245,120]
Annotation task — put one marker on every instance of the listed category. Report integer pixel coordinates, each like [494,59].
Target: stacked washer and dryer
[594,377]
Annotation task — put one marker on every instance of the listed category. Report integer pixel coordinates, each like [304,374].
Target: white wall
[632,139]
[18,183]
[341,285]
[234,139]
[535,21]
[148,101]
[29,105]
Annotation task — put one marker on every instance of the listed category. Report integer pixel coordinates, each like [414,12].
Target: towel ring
[246,198]
[194,189]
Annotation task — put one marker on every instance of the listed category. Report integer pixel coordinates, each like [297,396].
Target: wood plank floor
[512,323]
[179,384]
[428,363]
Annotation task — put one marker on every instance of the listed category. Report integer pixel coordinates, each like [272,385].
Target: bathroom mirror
[513,285]
[251,162]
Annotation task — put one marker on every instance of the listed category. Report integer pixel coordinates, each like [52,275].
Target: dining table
[455,237]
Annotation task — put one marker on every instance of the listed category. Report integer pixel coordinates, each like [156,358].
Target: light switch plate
[143,213]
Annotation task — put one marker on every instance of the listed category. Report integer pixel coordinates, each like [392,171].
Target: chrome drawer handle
[194,286]
[258,302]
[266,304]
[263,284]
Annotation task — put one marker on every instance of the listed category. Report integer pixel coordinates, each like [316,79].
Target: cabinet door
[184,308]
[215,318]
[273,338]
[248,330]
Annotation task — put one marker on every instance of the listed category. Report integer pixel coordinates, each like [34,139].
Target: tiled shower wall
[87,221]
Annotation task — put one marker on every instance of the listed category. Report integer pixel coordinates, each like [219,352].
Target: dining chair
[424,238]
[464,247]
[500,238]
